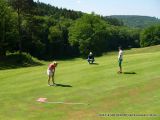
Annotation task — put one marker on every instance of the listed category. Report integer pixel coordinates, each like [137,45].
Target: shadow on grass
[129,73]
[62,85]
[8,65]
[94,64]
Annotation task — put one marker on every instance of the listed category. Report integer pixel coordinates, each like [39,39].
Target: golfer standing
[51,71]
[120,59]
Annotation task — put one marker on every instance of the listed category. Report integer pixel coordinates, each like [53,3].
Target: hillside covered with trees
[48,32]
[137,21]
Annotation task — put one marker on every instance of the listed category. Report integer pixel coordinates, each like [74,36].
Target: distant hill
[136,21]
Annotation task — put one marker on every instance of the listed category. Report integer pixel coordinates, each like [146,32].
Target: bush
[150,36]
[21,58]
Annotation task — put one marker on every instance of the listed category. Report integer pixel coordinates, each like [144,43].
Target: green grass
[97,85]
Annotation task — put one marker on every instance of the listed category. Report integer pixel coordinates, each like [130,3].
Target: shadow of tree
[14,61]
[6,65]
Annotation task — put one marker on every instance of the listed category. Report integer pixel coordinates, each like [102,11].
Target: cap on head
[90,53]
[54,62]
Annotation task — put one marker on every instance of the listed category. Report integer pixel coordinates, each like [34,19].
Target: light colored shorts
[49,72]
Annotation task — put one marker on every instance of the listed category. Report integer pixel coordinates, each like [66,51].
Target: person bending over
[51,71]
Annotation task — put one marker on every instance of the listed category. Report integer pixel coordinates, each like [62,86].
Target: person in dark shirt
[90,58]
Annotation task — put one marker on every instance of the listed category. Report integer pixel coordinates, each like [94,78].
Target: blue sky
[111,7]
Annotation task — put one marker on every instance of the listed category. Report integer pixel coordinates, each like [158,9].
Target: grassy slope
[99,85]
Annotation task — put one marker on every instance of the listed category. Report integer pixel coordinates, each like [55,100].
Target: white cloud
[78,1]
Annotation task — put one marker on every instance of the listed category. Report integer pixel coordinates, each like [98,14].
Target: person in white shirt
[120,59]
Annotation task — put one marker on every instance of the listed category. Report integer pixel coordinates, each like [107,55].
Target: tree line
[137,21]
[48,32]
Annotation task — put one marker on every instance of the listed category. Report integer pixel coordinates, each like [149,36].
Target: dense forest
[136,21]
[48,32]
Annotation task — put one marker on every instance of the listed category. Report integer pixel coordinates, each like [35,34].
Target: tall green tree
[150,36]
[35,36]
[8,29]
[22,7]
[89,34]
[58,38]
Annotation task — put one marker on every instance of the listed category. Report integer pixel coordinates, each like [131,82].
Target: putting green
[99,85]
